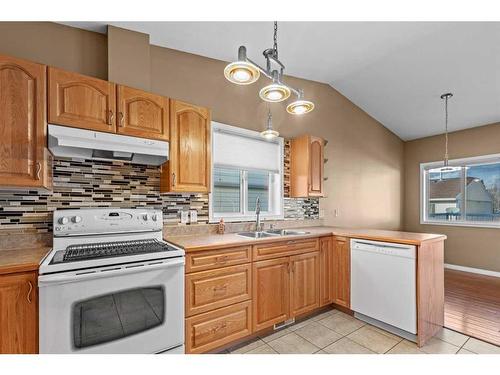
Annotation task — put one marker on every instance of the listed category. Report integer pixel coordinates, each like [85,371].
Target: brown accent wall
[465,246]
[365,167]
[62,46]
[365,160]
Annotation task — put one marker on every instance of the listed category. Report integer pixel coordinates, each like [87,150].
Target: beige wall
[57,45]
[466,246]
[365,167]
[365,160]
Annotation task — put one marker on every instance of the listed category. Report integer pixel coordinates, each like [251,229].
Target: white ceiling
[395,71]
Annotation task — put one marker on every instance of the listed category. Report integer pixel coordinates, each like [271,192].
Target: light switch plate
[193,216]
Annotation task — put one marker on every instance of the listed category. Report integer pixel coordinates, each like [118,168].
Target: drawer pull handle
[219,327]
[28,297]
[121,118]
[222,260]
[291,242]
[220,289]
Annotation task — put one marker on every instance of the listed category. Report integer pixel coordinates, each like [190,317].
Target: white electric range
[111,284]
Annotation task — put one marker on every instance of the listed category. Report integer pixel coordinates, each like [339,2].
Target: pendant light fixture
[269,133]
[446,167]
[245,72]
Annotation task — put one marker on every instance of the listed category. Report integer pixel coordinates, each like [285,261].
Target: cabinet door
[189,167]
[271,292]
[23,156]
[81,102]
[18,313]
[326,282]
[316,164]
[342,272]
[142,114]
[304,285]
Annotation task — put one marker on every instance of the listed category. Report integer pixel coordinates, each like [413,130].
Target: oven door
[131,308]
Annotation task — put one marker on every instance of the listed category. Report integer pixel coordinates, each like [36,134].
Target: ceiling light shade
[300,107]
[241,73]
[274,93]
[269,133]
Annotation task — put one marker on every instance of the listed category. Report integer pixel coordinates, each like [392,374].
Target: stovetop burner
[112,249]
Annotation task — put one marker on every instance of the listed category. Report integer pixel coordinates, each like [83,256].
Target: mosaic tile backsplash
[92,183]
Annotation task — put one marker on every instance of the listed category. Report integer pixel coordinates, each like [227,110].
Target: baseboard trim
[472,270]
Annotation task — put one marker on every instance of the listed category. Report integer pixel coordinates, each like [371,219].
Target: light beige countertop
[211,241]
[22,259]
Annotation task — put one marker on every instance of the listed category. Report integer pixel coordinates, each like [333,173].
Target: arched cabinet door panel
[189,167]
[24,161]
[142,114]
[80,101]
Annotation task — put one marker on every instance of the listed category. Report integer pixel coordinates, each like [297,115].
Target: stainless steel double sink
[272,233]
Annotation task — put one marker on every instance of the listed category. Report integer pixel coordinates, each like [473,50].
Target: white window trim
[247,216]
[484,159]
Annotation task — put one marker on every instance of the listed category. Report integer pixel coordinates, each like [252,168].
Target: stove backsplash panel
[92,183]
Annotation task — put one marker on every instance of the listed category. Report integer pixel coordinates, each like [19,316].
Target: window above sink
[245,166]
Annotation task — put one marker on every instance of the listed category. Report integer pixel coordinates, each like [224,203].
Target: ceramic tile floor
[334,332]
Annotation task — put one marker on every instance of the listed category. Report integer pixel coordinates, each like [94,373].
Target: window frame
[276,193]
[462,162]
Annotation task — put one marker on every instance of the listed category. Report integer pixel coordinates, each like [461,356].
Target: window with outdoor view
[466,193]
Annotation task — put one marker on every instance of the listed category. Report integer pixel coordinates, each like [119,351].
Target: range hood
[89,144]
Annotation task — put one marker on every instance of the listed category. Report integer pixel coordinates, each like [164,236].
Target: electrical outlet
[184,217]
[193,216]
[336,212]
[321,214]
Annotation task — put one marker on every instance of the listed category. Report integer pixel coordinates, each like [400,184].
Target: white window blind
[245,151]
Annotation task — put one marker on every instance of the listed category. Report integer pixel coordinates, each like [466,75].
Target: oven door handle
[82,275]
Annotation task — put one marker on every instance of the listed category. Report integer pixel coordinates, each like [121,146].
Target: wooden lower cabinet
[342,271]
[326,273]
[19,313]
[208,331]
[304,283]
[212,289]
[271,286]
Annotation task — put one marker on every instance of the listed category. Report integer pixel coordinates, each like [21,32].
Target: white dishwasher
[383,284]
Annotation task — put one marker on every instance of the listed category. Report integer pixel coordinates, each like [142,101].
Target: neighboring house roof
[448,188]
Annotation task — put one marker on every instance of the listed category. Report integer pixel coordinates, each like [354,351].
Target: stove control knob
[145,217]
[76,219]
[154,217]
[63,220]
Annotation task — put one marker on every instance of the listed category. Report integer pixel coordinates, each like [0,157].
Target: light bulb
[269,134]
[241,73]
[274,93]
[299,107]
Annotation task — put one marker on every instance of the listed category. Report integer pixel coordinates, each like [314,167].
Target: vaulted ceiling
[395,71]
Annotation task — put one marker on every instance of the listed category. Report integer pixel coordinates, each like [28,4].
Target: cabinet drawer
[283,248]
[210,330]
[209,290]
[210,259]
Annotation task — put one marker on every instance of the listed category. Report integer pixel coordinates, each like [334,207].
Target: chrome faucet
[257,212]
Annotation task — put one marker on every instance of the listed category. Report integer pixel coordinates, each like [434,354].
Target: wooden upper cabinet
[306,167]
[142,114]
[81,101]
[189,167]
[24,160]
[316,166]
[304,283]
[271,292]
[326,282]
[19,313]
[342,271]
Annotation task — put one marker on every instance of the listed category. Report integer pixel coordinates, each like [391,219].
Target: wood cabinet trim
[213,324]
[211,259]
[209,290]
[284,248]
[31,168]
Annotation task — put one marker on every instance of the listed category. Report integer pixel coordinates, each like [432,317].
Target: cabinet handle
[28,297]
[173,178]
[111,117]
[121,119]
[38,169]
[220,289]
[222,259]
[290,242]
[288,267]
